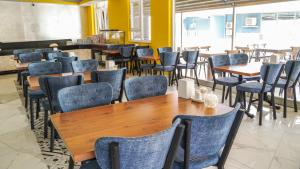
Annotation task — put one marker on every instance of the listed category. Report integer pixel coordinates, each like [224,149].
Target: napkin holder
[109,64]
[274,59]
[186,88]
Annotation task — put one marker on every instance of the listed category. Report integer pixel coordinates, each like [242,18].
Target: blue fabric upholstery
[144,52]
[85,65]
[148,152]
[127,52]
[164,68]
[190,56]
[30,57]
[114,77]
[36,94]
[164,49]
[44,68]
[55,54]
[168,61]
[113,47]
[44,50]
[57,83]
[236,59]
[142,87]
[220,60]
[228,81]
[183,66]
[66,63]
[253,87]
[208,137]
[274,72]
[19,51]
[85,96]
[296,69]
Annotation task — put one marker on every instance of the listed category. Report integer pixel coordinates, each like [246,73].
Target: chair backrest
[55,54]
[44,68]
[144,52]
[190,57]
[44,50]
[16,52]
[292,69]
[66,63]
[148,152]
[148,86]
[240,58]
[164,49]
[85,96]
[114,77]
[169,58]
[85,65]
[218,60]
[127,51]
[54,84]
[270,73]
[30,57]
[113,47]
[210,134]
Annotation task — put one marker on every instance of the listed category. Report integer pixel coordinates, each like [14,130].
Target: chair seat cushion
[166,68]
[282,82]
[253,87]
[36,94]
[251,78]
[25,73]
[228,81]
[147,66]
[122,60]
[90,165]
[183,66]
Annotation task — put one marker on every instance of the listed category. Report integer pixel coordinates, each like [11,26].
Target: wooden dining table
[111,52]
[34,80]
[80,129]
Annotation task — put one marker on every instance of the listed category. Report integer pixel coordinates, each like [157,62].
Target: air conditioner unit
[250,21]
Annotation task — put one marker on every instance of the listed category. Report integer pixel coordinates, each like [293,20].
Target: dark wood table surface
[80,129]
[249,69]
[111,52]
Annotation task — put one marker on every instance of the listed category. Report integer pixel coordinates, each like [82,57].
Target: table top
[34,80]
[272,50]
[21,66]
[249,69]
[154,58]
[80,129]
[111,52]
[207,54]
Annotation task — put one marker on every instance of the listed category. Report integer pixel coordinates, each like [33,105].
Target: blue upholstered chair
[56,54]
[155,151]
[52,85]
[44,51]
[114,77]
[190,58]
[85,65]
[126,57]
[85,96]
[236,59]
[168,64]
[140,62]
[164,49]
[230,82]
[37,69]
[30,57]
[66,63]
[16,53]
[270,74]
[292,70]
[147,86]
[208,140]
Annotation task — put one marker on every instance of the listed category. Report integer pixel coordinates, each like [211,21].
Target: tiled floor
[275,145]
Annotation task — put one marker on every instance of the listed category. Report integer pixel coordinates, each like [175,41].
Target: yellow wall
[161,19]
[50,1]
[90,21]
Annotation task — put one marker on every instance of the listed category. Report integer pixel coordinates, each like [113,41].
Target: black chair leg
[273,105]
[284,103]
[26,100]
[52,138]
[38,109]
[214,87]
[31,113]
[223,94]
[250,101]
[295,100]
[260,107]
[197,80]
[230,96]
[71,163]
[46,124]
[227,93]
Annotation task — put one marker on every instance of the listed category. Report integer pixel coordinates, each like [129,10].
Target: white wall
[23,22]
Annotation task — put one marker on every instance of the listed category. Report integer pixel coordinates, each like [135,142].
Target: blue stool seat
[90,165]
[282,82]
[122,60]
[252,78]
[228,81]
[161,68]
[147,66]
[253,87]
[183,66]
[36,94]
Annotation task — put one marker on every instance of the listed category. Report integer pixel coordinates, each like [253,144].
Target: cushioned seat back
[44,68]
[209,133]
[148,152]
[66,63]
[56,54]
[85,65]
[30,57]
[148,86]
[164,49]
[295,71]
[114,77]
[84,96]
[236,59]
[190,56]
[273,75]
[127,51]
[168,58]
[144,52]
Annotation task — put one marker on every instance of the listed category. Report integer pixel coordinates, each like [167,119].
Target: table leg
[268,100]
[71,163]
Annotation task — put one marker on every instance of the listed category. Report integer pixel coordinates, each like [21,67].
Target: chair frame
[172,74]
[194,67]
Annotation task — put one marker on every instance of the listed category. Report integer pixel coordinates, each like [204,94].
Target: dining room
[149,84]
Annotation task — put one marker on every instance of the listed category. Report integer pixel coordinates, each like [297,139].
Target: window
[140,24]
